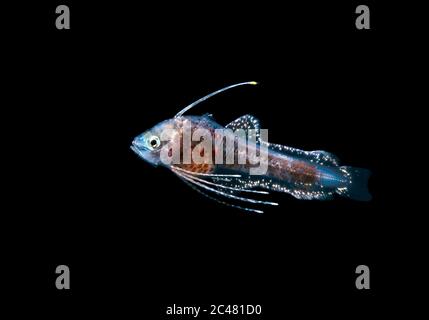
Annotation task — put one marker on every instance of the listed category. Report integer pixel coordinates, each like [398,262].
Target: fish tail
[356,187]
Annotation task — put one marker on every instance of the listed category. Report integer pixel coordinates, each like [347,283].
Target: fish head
[149,144]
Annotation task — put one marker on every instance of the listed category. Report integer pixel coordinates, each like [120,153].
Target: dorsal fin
[318,156]
[325,158]
[246,122]
[207,115]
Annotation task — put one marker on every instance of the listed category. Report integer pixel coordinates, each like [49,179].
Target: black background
[135,237]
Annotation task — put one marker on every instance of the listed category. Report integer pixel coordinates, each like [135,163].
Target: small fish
[303,174]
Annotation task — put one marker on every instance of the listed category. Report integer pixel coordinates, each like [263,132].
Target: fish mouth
[137,150]
[142,154]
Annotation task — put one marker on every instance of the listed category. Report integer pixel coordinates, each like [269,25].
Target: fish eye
[154,142]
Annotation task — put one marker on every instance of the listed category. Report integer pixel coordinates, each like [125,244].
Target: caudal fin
[357,186]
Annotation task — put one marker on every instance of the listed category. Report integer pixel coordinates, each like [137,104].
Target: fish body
[303,174]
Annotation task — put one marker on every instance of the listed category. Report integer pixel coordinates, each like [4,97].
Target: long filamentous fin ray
[224,187]
[193,104]
[217,200]
[226,194]
[206,174]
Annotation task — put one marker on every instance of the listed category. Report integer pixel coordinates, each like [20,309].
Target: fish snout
[137,143]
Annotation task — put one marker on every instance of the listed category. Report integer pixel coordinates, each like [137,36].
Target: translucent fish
[204,165]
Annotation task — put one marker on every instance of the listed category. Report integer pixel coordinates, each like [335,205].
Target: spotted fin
[324,158]
[319,156]
[246,122]
[314,192]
